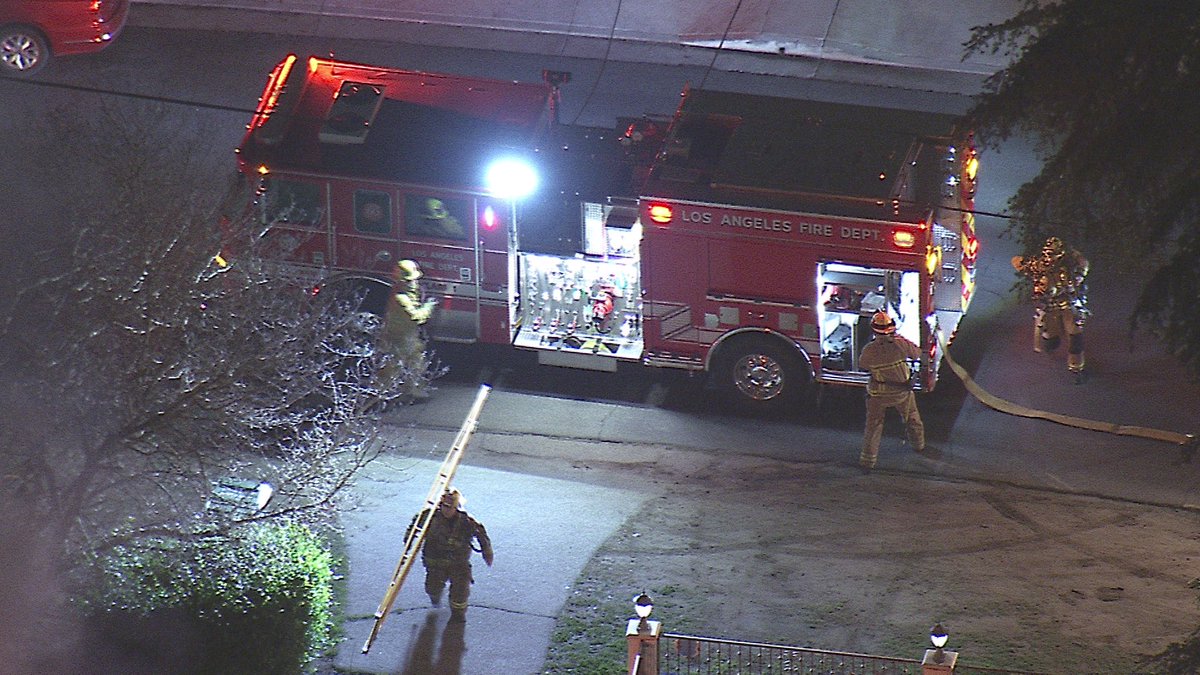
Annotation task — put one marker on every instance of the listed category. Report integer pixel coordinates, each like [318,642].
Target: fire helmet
[1054,248]
[408,270]
[452,498]
[882,324]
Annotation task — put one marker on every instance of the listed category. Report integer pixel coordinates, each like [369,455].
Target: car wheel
[23,51]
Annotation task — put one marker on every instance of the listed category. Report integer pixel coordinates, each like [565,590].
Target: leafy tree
[1109,88]
[142,372]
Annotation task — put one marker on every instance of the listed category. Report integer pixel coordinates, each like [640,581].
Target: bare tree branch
[152,371]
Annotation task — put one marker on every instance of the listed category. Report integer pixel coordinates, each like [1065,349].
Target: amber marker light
[933,259]
[660,213]
[903,239]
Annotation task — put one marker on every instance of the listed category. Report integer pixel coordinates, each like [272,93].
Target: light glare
[511,178]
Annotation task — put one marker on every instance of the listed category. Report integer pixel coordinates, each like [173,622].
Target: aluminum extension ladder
[414,538]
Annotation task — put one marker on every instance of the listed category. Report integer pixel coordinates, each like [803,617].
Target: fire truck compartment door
[850,295]
[587,312]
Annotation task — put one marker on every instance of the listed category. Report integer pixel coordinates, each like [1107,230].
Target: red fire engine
[750,237]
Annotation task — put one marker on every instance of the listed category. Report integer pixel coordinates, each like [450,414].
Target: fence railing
[692,655]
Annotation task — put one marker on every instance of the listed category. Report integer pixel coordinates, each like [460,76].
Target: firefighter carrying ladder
[412,542]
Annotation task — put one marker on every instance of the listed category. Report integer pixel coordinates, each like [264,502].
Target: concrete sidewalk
[910,44]
[514,603]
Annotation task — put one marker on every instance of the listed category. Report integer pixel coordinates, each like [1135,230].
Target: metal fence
[691,655]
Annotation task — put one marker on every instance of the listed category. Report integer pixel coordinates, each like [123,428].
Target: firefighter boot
[1075,356]
[1050,342]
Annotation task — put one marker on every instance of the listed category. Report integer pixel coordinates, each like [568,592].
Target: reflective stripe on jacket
[886,358]
[448,540]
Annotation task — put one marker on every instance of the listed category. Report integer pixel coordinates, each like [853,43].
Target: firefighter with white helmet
[886,358]
[1057,277]
[402,328]
[446,552]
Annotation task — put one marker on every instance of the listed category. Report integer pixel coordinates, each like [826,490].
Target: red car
[33,31]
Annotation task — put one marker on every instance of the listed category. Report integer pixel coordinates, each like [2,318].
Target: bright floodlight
[511,178]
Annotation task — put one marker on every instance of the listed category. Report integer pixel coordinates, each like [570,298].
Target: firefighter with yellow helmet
[886,358]
[1057,277]
[401,336]
[446,552]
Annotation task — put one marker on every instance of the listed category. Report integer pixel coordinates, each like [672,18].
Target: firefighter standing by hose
[1059,294]
[886,358]
[446,553]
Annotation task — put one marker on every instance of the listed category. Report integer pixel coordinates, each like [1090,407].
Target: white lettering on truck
[860,233]
[756,223]
[781,225]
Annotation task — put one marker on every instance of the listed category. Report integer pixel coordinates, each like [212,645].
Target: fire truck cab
[749,237]
[358,167]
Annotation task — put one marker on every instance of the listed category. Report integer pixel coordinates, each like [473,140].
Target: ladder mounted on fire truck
[416,536]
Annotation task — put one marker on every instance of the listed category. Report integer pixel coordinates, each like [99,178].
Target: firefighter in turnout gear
[1059,294]
[402,327]
[886,358]
[446,552]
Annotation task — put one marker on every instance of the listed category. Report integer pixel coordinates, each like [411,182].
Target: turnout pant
[905,403]
[1049,325]
[459,576]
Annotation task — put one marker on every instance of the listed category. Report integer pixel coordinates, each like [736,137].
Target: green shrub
[258,602]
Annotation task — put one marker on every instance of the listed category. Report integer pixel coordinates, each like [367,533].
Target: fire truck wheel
[370,295]
[758,373]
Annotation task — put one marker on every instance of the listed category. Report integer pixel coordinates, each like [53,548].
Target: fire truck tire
[370,294]
[757,373]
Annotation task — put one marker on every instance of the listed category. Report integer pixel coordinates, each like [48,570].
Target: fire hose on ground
[1187,442]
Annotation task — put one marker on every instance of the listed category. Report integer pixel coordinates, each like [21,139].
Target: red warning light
[489,220]
[660,213]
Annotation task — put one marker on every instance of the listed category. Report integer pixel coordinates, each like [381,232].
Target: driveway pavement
[514,603]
